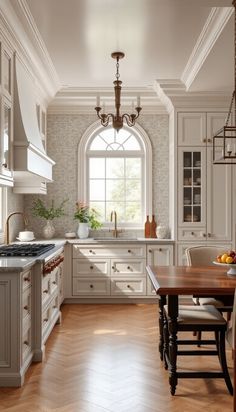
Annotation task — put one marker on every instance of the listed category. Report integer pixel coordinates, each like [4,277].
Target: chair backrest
[203,255]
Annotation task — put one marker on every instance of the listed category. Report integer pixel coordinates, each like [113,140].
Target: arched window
[115,173]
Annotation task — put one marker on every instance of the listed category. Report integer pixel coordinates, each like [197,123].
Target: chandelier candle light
[224,140]
[117,119]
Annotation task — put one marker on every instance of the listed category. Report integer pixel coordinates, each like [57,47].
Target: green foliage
[39,209]
[85,214]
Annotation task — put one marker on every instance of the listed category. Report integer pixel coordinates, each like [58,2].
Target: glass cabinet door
[192,186]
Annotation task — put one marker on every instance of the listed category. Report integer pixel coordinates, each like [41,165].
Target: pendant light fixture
[117,118]
[224,140]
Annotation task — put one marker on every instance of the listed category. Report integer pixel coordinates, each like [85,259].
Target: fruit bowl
[231,266]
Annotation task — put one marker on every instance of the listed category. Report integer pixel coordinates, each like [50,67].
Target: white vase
[161,231]
[83,230]
[48,230]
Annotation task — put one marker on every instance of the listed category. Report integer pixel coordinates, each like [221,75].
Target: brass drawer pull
[129,251]
[128,286]
[128,267]
[91,267]
[91,286]
[26,342]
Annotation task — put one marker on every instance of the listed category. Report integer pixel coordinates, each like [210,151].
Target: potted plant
[87,217]
[39,209]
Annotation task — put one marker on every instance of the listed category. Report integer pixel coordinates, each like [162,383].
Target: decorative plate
[231,266]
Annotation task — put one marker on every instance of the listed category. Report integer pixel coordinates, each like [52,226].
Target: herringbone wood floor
[104,358]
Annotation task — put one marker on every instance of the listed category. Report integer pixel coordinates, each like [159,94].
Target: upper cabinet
[197,129]
[6,115]
[204,189]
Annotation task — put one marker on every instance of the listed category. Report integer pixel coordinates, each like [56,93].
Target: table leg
[173,315]
[162,303]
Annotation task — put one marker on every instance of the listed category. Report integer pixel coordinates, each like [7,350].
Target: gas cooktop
[28,249]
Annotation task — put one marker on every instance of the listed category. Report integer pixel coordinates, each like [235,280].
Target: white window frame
[83,174]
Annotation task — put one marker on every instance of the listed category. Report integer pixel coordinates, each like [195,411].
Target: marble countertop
[18,263]
[21,263]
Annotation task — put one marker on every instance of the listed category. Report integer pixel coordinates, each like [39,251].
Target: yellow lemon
[224,257]
[229,260]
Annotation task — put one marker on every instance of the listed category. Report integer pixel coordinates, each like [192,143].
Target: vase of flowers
[39,209]
[87,217]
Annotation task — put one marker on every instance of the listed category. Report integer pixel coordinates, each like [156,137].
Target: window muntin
[116,175]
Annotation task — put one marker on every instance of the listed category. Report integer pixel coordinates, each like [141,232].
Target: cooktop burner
[28,249]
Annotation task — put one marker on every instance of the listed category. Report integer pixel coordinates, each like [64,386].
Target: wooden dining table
[170,282]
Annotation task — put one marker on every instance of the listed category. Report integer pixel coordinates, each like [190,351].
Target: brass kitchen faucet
[6,235]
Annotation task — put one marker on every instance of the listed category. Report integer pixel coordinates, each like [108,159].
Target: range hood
[32,166]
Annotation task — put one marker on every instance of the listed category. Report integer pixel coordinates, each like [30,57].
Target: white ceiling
[157,36]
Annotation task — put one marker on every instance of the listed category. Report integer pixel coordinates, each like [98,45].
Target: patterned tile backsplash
[64,132]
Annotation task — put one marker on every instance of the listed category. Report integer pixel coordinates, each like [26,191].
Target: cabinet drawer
[26,277]
[92,286]
[26,343]
[46,315]
[134,286]
[192,234]
[128,267]
[54,306]
[26,303]
[109,251]
[53,280]
[46,289]
[92,267]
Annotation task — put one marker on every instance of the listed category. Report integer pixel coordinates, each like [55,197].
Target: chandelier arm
[105,118]
[130,119]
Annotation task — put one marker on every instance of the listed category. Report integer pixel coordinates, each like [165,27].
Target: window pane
[100,208]
[119,207]
[133,212]
[133,168]
[97,189]
[114,167]
[115,190]
[132,144]
[133,190]
[97,167]
[98,144]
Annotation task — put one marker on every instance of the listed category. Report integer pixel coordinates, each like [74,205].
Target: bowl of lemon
[228,260]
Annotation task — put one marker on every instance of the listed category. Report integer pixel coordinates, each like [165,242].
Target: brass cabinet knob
[91,267]
[209,140]
[26,342]
[129,251]
[160,249]
[128,286]
[26,307]
[54,282]
[4,165]
[27,279]
[45,320]
[45,291]
[150,251]
[204,140]
[91,286]
[192,233]
[128,267]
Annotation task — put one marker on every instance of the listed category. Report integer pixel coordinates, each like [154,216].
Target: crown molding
[18,25]
[174,95]
[82,100]
[215,23]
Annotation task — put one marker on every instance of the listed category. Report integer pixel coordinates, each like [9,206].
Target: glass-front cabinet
[192,189]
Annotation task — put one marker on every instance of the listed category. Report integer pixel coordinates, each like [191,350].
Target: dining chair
[201,256]
[193,318]
[231,339]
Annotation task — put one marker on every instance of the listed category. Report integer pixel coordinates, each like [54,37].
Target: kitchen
[181,111]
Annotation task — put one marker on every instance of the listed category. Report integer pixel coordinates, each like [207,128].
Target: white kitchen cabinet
[197,128]
[48,298]
[158,255]
[16,320]
[204,197]
[109,270]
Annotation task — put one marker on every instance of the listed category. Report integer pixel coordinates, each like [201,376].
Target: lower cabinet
[16,326]
[115,270]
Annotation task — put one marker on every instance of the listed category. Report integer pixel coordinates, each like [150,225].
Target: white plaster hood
[32,166]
